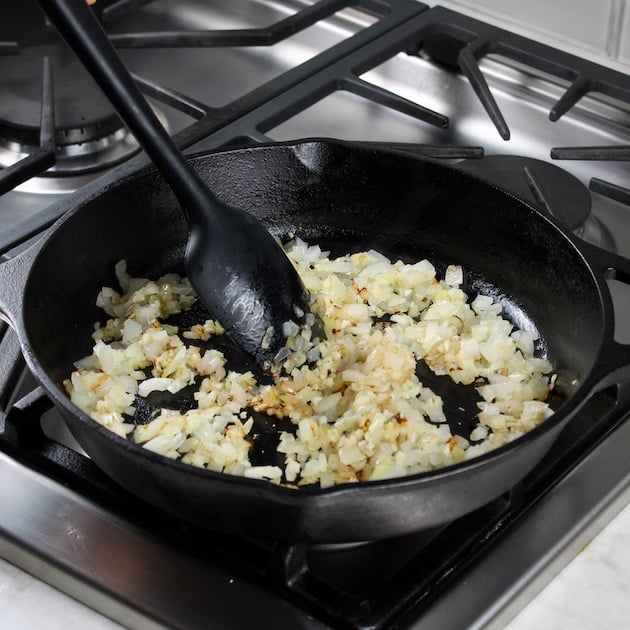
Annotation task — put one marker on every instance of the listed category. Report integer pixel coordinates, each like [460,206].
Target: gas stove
[553,127]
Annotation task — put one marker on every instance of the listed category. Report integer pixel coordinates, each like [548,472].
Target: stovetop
[369,71]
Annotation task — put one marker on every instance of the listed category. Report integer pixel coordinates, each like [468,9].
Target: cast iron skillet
[344,198]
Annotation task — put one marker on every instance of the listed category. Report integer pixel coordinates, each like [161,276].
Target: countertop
[591,592]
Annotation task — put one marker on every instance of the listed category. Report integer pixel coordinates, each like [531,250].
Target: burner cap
[88,136]
[82,113]
[541,184]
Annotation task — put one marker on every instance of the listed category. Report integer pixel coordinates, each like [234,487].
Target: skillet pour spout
[406,207]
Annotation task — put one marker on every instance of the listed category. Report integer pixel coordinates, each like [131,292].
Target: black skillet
[344,198]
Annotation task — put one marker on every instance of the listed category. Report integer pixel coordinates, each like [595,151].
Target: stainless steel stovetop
[370,71]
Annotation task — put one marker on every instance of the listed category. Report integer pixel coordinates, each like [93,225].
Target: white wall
[596,29]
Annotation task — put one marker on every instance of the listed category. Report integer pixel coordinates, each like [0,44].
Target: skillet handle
[13,276]
[613,366]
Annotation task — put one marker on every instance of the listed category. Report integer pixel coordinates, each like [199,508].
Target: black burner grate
[207,118]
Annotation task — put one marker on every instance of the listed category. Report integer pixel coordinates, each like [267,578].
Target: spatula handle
[82,31]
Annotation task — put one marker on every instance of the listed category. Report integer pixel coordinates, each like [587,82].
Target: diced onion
[358,408]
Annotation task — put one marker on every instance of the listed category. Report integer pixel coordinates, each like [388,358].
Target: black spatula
[237,268]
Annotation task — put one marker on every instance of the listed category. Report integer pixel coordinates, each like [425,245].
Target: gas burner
[543,185]
[88,135]
[547,187]
[75,164]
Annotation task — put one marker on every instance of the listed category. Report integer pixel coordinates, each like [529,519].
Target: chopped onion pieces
[360,412]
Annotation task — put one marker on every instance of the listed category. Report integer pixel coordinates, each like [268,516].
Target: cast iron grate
[445,36]
[206,119]
[460,43]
